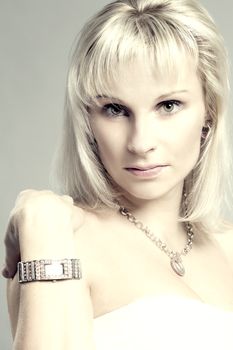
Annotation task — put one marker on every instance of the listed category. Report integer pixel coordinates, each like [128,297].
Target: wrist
[49,270]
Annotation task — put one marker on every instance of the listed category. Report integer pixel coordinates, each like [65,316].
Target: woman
[143,140]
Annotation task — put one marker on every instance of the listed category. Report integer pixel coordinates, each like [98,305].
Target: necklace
[175,257]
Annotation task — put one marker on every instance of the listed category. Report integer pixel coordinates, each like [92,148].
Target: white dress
[165,323]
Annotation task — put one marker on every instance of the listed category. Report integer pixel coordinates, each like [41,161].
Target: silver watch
[49,270]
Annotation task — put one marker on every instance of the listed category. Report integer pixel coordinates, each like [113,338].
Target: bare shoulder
[91,221]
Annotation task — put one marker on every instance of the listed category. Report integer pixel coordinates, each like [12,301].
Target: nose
[142,137]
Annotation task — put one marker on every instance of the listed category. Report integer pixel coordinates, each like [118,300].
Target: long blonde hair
[161,30]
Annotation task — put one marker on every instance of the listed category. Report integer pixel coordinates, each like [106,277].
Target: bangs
[159,44]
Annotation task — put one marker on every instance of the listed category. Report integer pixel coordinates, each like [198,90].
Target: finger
[12,251]
[5,272]
[24,194]
[68,199]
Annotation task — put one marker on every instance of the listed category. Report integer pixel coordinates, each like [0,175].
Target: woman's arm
[48,315]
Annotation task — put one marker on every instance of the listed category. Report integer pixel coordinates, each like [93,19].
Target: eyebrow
[158,98]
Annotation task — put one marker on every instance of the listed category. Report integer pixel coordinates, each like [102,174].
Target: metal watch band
[49,270]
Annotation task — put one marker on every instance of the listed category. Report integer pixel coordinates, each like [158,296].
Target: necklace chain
[175,257]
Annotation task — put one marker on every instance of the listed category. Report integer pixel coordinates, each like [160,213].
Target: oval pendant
[177,266]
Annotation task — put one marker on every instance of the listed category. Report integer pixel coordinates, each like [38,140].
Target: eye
[170,106]
[115,110]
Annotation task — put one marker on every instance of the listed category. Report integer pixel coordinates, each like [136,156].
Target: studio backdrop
[36,39]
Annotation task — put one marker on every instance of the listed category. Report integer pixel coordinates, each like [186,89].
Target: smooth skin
[149,119]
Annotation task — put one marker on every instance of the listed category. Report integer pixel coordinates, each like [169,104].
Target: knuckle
[29,198]
[25,193]
[68,199]
[23,197]
[36,204]
[78,218]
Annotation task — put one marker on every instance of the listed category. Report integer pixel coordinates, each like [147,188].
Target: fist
[41,225]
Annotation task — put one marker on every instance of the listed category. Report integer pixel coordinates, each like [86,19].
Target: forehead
[167,64]
[142,79]
[140,69]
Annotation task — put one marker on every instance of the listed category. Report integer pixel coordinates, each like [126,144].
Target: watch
[49,270]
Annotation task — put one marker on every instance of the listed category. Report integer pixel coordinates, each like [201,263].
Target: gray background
[35,41]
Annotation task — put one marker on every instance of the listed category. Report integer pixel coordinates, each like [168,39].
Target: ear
[206,128]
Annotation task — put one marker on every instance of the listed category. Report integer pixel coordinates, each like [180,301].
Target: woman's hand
[41,225]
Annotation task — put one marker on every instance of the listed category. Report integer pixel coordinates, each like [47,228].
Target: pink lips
[147,171]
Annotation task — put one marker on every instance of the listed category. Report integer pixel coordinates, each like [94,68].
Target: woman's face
[148,131]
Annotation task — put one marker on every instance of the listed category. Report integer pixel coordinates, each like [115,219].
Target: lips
[146,171]
[145,168]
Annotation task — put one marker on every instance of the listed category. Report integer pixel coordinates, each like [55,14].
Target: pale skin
[145,129]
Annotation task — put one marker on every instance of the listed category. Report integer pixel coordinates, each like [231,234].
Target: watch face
[47,270]
[54,269]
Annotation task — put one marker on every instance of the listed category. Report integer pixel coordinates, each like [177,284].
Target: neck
[160,215]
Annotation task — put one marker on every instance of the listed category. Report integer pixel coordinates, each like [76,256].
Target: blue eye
[115,110]
[170,106]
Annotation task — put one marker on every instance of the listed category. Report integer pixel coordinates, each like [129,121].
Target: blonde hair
[162,30]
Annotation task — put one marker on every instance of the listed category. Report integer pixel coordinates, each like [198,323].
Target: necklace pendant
[177,265]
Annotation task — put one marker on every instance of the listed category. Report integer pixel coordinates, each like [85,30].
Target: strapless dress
[165,323]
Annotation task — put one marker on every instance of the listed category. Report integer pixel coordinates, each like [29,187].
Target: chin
[151,192]
[146,195]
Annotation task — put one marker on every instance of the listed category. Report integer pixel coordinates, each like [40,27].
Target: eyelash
[120,108]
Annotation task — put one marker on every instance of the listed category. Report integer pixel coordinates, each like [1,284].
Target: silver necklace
[175,257]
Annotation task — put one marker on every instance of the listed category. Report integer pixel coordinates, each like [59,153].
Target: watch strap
[49,270]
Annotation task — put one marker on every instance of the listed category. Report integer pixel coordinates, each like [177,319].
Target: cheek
[187,145]
[108,145]
[110,137]
[192,137]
